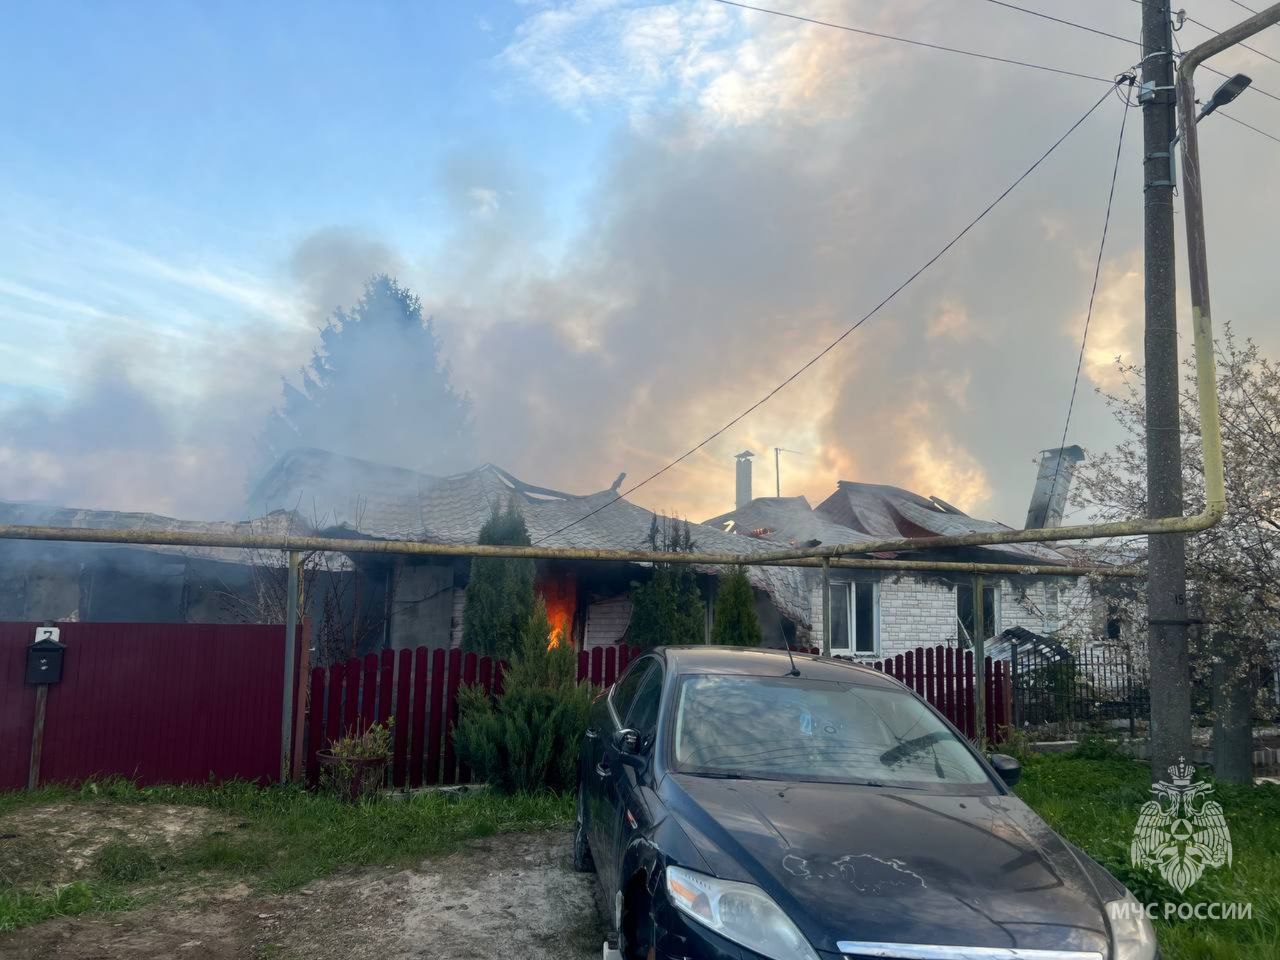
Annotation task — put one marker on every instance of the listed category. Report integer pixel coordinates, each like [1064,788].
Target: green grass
[1094,803]
[281,838]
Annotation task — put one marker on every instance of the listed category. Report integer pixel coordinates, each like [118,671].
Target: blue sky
[629,217]
[213,137]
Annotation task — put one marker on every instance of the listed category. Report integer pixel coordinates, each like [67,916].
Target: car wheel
[638,937]
[582,860]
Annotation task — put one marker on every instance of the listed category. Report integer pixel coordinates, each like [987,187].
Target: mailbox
[44,657]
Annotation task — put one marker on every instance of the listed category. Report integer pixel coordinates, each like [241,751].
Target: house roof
[882,511]
[25,513]
[392,503]
[788,520]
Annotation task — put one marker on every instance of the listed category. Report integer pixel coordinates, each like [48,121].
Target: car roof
[761,662]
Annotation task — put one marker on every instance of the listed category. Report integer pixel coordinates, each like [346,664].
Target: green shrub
[736,623]
[1096,747]
[528,739]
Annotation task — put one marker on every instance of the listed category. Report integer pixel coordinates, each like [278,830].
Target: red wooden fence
[945,677]
[418,688]
[153,702]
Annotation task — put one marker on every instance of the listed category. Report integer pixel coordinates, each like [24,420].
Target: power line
[1069,23]
[867,316]
[1269,136]
[1205,26]
[1093,293]
[914,43]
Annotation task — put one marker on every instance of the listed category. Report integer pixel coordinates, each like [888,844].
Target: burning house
[362,602]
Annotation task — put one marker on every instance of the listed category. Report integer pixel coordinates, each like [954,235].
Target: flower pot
[353,779]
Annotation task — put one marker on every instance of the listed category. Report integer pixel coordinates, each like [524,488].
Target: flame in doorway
[561,598]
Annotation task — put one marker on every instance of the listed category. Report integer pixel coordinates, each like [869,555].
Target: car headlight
[1132,936]
[741,912]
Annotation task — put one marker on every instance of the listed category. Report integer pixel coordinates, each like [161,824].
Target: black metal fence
[1097,686]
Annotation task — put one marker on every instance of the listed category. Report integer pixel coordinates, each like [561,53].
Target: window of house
[855,626]
[964,612]
[1114,621]
[1052,599]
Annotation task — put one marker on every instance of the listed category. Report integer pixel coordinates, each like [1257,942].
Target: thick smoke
[768,183]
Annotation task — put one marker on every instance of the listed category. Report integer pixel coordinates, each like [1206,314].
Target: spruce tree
[667,609]
[736,622]
[529,738]
[500,594]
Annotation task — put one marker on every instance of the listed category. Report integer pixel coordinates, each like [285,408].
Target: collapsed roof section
[391,503]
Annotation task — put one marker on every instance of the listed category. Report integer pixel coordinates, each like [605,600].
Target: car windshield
[786,728]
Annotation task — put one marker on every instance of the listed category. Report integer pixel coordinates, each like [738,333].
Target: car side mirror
[627,741]
[628,744]
[1010,770]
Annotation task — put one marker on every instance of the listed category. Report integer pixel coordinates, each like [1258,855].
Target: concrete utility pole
[1166,564]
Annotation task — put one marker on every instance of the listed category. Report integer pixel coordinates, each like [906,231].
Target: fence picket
[967,685]
[610,665]
[368,691]
[351,698]
[386,670]
[469,666]
[404,669]
[597,666]
[449,772]
[421,736]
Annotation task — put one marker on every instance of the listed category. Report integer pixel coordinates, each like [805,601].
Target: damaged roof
[392,503]
[786,520]
[879,511]
[27,514]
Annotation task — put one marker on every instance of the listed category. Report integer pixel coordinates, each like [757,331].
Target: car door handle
[592,733]
[602,770]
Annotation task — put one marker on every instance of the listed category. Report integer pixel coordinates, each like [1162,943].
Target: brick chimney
[743,488]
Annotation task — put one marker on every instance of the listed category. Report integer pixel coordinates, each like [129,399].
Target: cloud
[1115,332]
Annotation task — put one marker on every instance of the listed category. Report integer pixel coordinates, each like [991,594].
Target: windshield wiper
[908,747]
[724,775]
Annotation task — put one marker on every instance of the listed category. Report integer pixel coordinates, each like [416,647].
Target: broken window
[964,612]
[854,618]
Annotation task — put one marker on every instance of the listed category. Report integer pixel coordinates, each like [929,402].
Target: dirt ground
[57,842]
[510,895]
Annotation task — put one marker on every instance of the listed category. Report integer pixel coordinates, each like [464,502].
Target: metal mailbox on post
[44,657]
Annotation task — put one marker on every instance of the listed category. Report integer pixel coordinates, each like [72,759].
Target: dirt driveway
[515,894]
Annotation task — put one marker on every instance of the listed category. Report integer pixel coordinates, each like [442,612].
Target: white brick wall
[915,612]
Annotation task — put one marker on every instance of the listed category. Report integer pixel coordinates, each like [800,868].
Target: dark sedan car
[735,806]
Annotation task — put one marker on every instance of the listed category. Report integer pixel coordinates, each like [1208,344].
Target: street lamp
[1193,208]
[1229,90]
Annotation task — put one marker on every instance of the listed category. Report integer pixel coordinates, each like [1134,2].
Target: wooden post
[979,664]
[37,737]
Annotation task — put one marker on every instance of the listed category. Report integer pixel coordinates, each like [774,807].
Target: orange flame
[561,598]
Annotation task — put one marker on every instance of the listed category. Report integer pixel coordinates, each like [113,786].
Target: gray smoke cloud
[743,216]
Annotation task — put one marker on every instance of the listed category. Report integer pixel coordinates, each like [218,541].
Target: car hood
[854,863]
